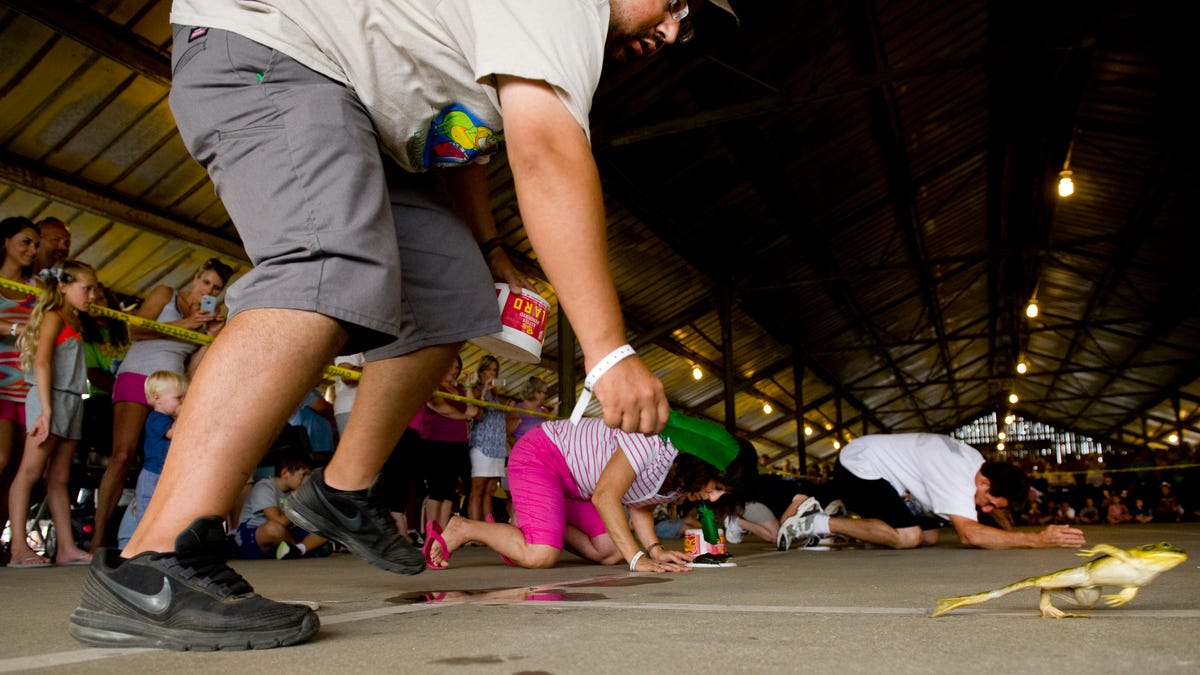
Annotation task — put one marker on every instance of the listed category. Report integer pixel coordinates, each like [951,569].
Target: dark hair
[1008,482]
[692,474]
[292,460]
[52,221]
[101,329]
[224,271]
[9,227]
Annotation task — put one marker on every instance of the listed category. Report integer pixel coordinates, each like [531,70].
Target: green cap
[707,440]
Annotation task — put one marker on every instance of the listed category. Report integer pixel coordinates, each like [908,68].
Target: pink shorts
[12,411]
[544,495]
[130,388]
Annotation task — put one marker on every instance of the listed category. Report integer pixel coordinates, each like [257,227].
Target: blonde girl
[53,360]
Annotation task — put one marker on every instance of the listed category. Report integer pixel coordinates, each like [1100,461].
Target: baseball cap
[724,4]
[714,27]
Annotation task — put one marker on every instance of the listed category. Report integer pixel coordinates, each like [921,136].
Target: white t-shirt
[343,393]
[589,445]
[425,69]
[938,472]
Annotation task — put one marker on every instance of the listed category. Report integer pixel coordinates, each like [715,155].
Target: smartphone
[208,303]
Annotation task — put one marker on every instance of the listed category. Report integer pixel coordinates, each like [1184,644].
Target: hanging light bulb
[1000,446]
[1012,398]
[1173,438]
[808,431]
[767,409]
[1031,310]
[1022,367]
[697,373]
[1010,418]
[837,445]
[1002,435]
[1066,186]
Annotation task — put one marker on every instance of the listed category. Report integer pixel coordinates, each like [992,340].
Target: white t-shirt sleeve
[559,42]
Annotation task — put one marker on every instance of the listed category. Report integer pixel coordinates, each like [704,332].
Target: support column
[725,311]
[566,363]
[801,439]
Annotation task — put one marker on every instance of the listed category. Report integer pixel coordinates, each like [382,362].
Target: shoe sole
[315,523]
[99,629]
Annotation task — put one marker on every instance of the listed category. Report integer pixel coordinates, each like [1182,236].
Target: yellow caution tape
[1061,472]
[205,339]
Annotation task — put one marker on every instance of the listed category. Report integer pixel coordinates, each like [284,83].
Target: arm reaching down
[558,188]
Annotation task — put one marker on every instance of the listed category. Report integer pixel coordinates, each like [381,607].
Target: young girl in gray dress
[53,360]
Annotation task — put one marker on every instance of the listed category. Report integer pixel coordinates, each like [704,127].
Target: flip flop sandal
[433,532]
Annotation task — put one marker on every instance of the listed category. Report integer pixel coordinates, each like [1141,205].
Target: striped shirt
[12,378]
[588,446]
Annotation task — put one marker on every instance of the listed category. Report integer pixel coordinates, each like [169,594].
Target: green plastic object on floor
[708,524]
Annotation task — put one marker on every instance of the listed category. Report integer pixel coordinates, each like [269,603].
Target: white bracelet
[614,357]
[636,557]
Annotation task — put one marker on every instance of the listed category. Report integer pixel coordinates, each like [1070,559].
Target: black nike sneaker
[363,525]
[185,600]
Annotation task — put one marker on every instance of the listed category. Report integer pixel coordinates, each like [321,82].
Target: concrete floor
[844,610]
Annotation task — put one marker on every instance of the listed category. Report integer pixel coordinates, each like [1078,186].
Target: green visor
[707,440]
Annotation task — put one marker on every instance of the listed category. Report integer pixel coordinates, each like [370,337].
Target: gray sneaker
[783,540]
[188,599]
[798,528]
[362,525]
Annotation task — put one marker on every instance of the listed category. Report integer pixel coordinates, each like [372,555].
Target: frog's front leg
[1118,599]
[1049,611]
[1106,549]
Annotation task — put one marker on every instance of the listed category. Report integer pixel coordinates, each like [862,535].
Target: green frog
[1128,569]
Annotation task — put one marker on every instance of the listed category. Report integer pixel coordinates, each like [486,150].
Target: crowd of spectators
[30,247]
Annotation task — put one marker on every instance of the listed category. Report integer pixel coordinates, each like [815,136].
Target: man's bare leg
[390,392]
[878,532]
[252,379]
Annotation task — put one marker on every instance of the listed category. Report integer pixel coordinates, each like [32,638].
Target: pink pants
[545,497]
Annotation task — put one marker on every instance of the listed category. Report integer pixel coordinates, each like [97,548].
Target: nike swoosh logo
[151,604]
[351,523]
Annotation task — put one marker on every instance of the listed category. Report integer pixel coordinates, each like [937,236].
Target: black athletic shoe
[364,526]
[186,600]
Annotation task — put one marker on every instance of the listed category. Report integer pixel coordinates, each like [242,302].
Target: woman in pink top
[444,427]
[571,485]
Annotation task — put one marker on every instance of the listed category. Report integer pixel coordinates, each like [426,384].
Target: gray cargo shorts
[331,225]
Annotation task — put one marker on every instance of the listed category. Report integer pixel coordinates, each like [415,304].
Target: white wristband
[636,557]
[614,357]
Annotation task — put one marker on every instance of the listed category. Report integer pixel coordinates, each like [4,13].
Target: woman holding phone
[194,307]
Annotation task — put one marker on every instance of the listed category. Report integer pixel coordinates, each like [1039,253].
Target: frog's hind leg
[1049,611]
[947,604]
[1086,596]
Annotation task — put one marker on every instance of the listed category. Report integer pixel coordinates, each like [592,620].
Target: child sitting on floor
[263,528]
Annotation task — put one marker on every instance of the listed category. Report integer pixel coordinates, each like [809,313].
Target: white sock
[302,548]
[821,523]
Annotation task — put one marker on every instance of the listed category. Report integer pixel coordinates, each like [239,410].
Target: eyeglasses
[678,10]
